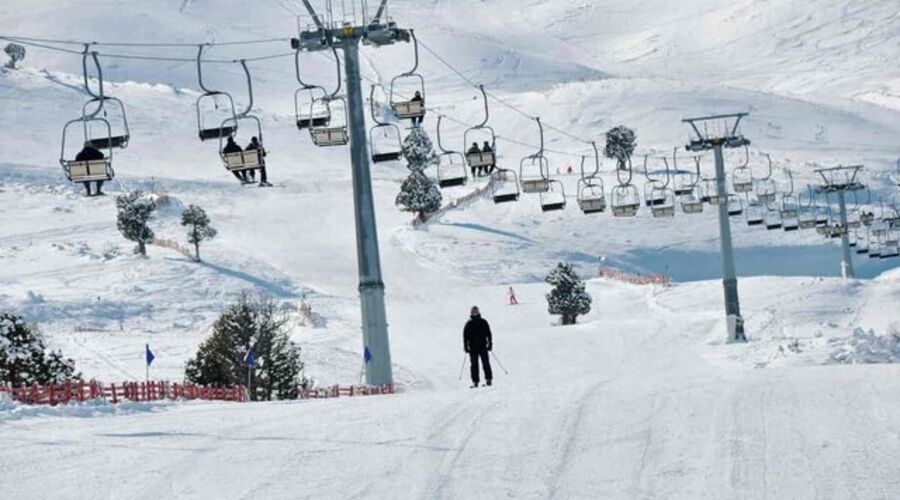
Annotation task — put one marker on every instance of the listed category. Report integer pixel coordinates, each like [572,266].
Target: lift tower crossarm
[841,180]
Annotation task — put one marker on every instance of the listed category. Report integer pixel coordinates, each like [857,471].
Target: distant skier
[474,150]
[232,147]
[512,297]
[254,146]
[477,342]
[486,148]
[90,153]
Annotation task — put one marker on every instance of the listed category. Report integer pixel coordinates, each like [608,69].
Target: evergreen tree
[24,358]
[16,53]
[418,149]
[135,211]
[620,144]
[568,297]
[419,193]
[251,322]
[197,222]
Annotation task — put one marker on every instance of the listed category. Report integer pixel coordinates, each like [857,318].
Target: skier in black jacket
[232,147]
[477,342]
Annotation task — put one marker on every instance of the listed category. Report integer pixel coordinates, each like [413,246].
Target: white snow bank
[12,410]
[866,346]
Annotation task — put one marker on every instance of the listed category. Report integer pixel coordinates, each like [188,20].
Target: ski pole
[499,363]
[463,367]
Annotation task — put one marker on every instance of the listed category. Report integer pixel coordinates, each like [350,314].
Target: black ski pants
[484,355]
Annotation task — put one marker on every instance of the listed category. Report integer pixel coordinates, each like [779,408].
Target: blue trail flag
[367,356]
[250,358]
[149,354]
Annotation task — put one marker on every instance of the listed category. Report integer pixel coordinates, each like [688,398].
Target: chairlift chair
[591,193]
[121,134]
[554,198]
[625,200]
[89,170]
[691,194]
[773,220]
[653,192]
[243,160]
[481,159]
[735,206]
[505,187]
[335,132]
[534,170]
[755,213]
[303,96]
[766,189]
[409,108]
[742,176]
[211,120]
[384,138]
[451,166]
[684,181]
[662,196]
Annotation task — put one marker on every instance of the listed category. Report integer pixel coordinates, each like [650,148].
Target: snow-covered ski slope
[641,400]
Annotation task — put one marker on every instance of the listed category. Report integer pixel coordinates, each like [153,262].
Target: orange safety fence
[614,274]
[80,391]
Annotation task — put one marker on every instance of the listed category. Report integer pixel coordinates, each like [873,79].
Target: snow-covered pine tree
[418,149]
[568,297]
[24,358]
[135,211]
[419,193]
[620,144]
[197,222]
[16,53]
[255,322]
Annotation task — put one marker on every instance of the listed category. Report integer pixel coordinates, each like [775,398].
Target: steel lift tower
[347,39]
[725,133]
[841,180]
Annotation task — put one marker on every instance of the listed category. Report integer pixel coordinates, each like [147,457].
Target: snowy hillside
[642,399]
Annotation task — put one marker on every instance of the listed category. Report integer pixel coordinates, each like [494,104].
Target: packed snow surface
[641,399]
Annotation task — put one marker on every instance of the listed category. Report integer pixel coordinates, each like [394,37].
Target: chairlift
[505,187]
[591,194]
[862,244]
[89,170]
[334,131]
[773,220]
[766,189]
[712,193]
[244,160]
[806,215]
[534,170]
[735,206]
[384,138]
[113,111]
[653,195]
[306,116]
[451,166]
[663,197]
[755,213]
[554,198]
[409,108]
[691,194]
[625,199]
[213,114]
[742,176]
[481,159]
[684,181]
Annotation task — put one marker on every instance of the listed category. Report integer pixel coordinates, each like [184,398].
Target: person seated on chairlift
[253,146]
[232,147]
[417,98]
[486,148]
[90,153]
[474,150]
